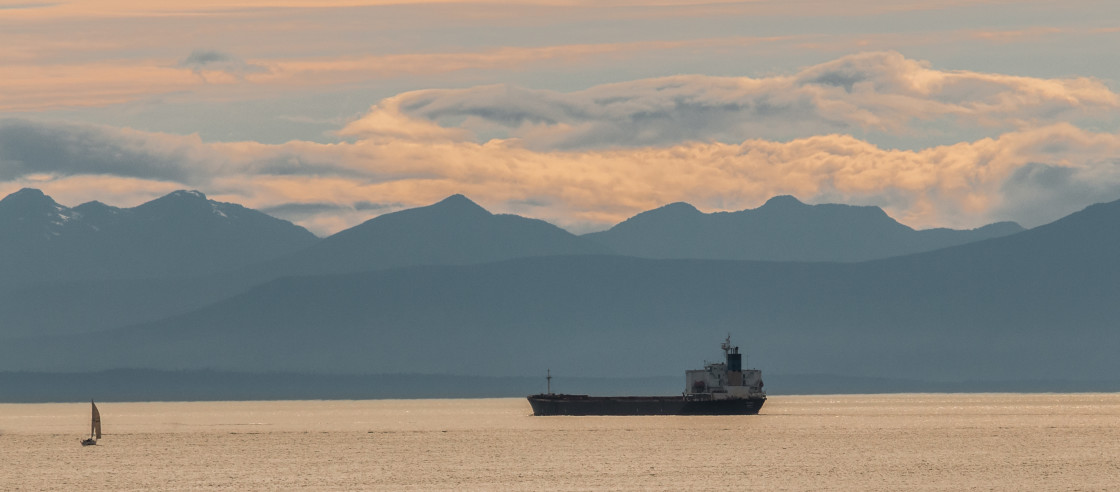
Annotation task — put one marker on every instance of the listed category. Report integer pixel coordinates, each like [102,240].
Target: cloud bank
[874,94]
[1030,176]
[588,159]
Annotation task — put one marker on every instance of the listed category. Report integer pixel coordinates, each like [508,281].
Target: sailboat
[94,427]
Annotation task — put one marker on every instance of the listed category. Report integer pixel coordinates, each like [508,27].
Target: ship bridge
[722,380]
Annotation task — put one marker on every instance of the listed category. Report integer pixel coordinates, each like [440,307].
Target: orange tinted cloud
[869,92]
[590,158]
[26,9]
[960,185]
[32,87]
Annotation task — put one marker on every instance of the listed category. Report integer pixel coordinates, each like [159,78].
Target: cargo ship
[722,388]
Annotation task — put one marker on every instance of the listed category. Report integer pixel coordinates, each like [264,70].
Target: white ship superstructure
[724,380]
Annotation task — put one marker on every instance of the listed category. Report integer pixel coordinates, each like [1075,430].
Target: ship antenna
[549,378]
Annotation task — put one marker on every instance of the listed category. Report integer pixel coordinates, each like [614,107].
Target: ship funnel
[734,360]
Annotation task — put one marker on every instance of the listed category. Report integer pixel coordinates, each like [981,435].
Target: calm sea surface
[861,442]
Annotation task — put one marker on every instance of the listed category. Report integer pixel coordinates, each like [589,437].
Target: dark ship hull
[550,404]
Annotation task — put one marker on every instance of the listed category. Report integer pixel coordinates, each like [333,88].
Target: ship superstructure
[724,380]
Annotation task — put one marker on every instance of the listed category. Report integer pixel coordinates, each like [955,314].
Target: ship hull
[641,405]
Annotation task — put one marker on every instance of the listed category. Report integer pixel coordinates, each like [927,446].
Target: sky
[327,113]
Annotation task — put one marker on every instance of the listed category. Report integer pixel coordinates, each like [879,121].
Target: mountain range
[182,234]
[186,235]
[454,231]
[783,229]
[95,267]
[1033,305]
[452,289]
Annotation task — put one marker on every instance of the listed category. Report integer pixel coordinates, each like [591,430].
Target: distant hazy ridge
[784,229]
[495,295]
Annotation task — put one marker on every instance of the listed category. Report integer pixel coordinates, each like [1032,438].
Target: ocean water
[849,442]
